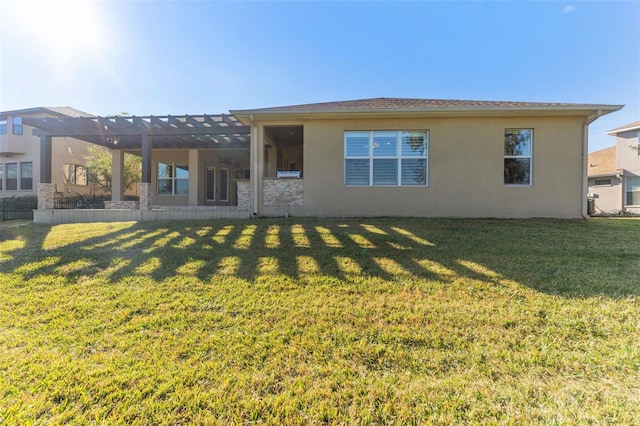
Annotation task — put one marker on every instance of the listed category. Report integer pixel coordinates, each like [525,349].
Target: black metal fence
[15,208]
[90,202]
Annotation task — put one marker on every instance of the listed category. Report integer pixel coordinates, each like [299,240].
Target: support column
[45,159]
[46,194]
[145,185]
[193,177]
[117,175]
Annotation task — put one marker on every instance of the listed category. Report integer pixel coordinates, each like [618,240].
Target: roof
[409,105]
[603,162]
[57,111]
[626,128]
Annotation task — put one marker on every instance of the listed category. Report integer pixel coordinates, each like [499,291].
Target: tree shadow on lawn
[559,257]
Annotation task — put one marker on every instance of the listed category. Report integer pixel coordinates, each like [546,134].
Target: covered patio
[193,166]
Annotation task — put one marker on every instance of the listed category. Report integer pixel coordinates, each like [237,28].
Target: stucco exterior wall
[608,198]
[627,152]
[465,170]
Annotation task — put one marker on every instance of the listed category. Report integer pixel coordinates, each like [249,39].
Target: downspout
[585,156]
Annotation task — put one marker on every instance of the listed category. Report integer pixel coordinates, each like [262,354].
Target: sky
[194,57]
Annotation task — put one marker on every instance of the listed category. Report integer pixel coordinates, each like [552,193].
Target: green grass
[290,321]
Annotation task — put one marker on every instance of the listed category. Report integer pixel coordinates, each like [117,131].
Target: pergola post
[45,158]
[46,189]
[193,177]
[117,174]
[145,185]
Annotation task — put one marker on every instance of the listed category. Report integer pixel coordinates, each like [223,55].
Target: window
[602,182]
[17,125]
[26,176]
[3,127]
[12,176]
[74,174]
[386,158]
[173,179]
[517,156]
[1,177]
[633,191]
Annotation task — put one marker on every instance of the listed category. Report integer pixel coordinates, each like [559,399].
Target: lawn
[300,321]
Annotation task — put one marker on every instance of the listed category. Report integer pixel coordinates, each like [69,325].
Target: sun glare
[66,30]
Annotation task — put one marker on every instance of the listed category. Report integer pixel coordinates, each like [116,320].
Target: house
[370,157]
[20,154]
[614,173]
[422,158]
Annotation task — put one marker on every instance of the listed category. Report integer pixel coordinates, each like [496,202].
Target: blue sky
[177,57]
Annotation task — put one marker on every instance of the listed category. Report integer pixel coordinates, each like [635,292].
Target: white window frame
[16,125]
[24,179]
[371,157]
[528,157]
[627,191]
[17,178]
[173,179]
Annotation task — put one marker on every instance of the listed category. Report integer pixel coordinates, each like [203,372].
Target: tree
[99,166]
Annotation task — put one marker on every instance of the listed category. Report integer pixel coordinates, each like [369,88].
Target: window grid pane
[357,144]
[384,144]
[357,172]
[414,172]
[414,144]
[385,172]
[517,171]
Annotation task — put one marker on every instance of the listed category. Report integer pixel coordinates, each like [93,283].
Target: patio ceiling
[167,132]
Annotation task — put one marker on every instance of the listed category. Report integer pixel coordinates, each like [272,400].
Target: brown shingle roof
[408,104]
[602,162]
[59,111]
[68,111]
[631,126]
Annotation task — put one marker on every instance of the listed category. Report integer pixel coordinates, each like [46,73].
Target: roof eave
[580,110]
[623,130]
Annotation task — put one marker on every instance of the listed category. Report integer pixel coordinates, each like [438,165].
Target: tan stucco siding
[465,170]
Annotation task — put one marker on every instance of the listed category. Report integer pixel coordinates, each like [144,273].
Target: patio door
[211,184]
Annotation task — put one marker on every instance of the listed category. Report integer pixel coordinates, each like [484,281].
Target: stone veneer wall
[119,205]
[145,197]
[46,194]
[282,192]
[244,195]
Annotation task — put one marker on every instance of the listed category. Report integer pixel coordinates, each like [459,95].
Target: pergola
[141,133]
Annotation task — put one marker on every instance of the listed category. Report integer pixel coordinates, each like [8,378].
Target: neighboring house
[370,157]
[614,173]
[20,154]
